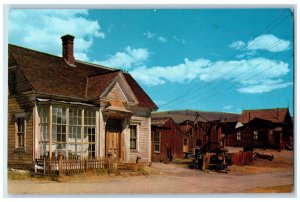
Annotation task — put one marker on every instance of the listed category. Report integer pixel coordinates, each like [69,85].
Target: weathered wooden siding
[116,94]
[170,138]
[17,104]
[143,139]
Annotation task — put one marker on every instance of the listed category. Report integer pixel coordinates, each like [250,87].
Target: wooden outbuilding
[263,128]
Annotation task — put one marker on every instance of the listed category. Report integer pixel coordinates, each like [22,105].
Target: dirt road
[189,182]
[172,179]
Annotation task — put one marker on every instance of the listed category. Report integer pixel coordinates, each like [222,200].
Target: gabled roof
[180,116]
[159,121]
[50,74]
[97,84]
[277,115]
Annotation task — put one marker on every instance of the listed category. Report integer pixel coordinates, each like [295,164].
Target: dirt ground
[263,176]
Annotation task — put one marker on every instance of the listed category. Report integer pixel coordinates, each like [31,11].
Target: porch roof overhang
[116,109]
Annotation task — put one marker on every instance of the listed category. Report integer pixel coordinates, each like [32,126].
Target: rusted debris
[289,148]
[263,156]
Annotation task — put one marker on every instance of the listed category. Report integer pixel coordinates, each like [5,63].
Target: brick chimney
[67,49]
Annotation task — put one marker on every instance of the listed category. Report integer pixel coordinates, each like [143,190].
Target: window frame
[89,124]
[44,110]
[155,142]
[239,135]
[255,135]
[22,117]
[136,138]
[12,78]
[61,146]
[78,127]
[185,142]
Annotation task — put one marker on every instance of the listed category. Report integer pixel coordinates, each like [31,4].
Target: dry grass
[147,170]
[273,189]
[12,175]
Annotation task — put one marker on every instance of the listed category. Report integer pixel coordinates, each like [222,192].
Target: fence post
[44,159]
[49,165]
[60,170]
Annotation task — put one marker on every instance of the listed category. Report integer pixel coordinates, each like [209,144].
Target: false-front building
[62,106]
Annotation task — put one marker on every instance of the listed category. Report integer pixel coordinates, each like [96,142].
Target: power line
[269,27]
[278,42]
[207,98]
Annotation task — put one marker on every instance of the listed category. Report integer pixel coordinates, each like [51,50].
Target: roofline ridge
[191,110]
[96,65]
[99,74]
[266,109]
[49,54]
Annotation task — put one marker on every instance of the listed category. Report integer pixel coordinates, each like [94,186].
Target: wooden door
[113,143]
[276,138]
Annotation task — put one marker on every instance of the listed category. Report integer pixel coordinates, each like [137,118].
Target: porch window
[89,133]
[133,137]
[59,130]
[44,132]
[239,135]
[20,132]
[74,139]
[156,141]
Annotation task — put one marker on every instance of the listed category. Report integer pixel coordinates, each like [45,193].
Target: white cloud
[179,39]
[187,71]
[246,73]
[247,54]
[237,45]
[126,59]
[268,42]
[162,39]
[151,35]
[264,86]
[41,29]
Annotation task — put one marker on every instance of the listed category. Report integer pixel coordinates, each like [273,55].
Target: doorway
[113,137]
[276,138]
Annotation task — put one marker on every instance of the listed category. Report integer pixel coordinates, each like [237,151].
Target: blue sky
[205,59]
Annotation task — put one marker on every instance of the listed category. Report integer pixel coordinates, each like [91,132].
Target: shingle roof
[51,75]
[143,99]
[180,116]
[159,121]
[97,84]
[276,115]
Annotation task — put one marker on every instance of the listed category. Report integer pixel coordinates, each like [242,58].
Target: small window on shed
[255,134]
[185,142]
[239,135]
[12,82]
[156,141]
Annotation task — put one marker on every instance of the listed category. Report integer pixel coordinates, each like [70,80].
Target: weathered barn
[265,128]
[167,139]
[59,105]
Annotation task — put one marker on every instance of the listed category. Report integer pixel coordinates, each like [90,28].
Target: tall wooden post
[60,169]
[50,132]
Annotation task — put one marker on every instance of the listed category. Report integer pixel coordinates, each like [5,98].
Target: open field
[263,176]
